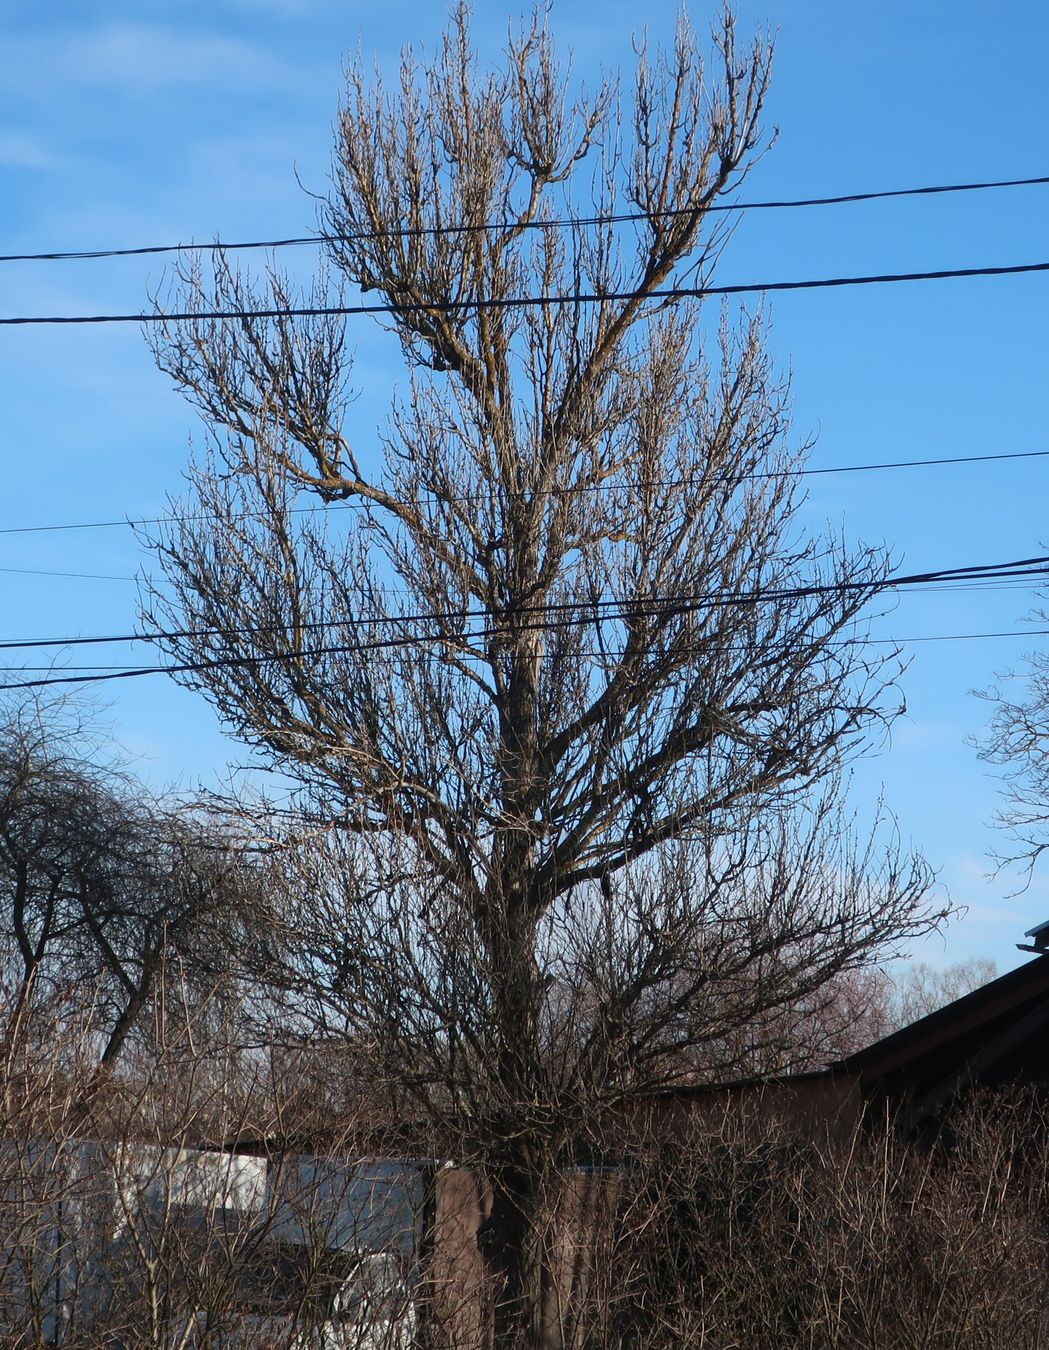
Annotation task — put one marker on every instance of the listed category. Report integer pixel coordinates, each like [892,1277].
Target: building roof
[995,1034]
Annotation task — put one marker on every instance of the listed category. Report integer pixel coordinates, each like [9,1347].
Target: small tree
[572,680]
[1015,743]
[100,884]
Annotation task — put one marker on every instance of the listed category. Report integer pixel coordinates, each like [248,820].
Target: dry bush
[124,1222]
[119,1228]
[121,1223]
[753,1236]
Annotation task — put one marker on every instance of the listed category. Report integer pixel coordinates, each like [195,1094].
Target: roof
[994,1034]
[1040,934]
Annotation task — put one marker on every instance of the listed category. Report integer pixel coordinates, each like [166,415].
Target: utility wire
[984,585]
[518,301]
[128,522]
[616,218]
[118,671]
[610,609]
[79,576]
[357,648]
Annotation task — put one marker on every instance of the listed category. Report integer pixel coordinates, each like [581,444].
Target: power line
[615,218]
[120,672]
[79,576]
[968,637]
[674,603]
[128,522]
[983,585]
[190,667]
[519,301]
[920,463]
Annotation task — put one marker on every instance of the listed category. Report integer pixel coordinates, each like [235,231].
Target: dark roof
[1040,934]
[684,1090]
[996,1033]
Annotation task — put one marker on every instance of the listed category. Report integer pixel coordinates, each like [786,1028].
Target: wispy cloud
[154,55]
[21,151]
[139,56]
[290,9]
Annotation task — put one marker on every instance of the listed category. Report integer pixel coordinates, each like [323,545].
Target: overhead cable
[611,609]
[561,222]
[78,576]
[190,667]
[137,523]
[515,301]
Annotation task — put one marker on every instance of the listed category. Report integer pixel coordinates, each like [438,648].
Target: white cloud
[21,151]
[915,735]
[150,56]
[291,9]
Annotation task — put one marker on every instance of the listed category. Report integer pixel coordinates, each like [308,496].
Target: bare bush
[733,1225]
[755,1235]
[176,1208]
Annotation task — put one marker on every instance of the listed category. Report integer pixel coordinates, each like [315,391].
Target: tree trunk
[514,1249]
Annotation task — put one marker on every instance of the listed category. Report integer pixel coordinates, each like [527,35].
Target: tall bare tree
[572,678]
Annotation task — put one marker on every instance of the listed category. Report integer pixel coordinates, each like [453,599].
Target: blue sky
[131,123]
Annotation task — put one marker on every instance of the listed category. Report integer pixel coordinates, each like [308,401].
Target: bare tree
[851,1011]
[919,989]
[572,679]
[1015,743]
[100,884]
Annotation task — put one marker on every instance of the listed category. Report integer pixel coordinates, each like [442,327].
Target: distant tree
[851,1011]
[919,989]
[570,689]
[1016,743]
[100,883]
